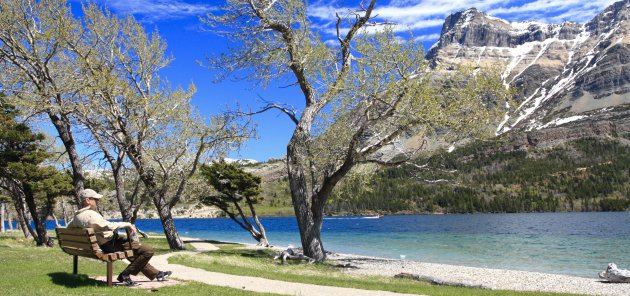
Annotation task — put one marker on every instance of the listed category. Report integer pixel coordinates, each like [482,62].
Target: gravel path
[253,283]
[496,279]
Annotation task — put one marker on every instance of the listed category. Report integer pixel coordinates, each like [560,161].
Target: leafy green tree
[235,186]
[23,173]
[360,96]
[39,72]
[135,114]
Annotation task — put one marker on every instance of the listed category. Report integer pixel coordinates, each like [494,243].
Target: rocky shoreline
[485,278]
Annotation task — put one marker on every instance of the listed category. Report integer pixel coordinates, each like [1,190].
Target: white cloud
[422,15]
[427,37]
[156,10]
[553,11]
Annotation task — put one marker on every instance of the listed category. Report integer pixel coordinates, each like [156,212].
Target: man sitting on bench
[109,240]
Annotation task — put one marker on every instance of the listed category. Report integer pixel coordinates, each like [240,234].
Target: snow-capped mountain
[568,73]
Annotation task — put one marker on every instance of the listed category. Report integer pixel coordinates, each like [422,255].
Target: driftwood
[293,254]
[615,275]
[436,281]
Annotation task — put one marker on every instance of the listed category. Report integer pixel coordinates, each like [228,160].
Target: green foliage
[17,143]
[231,181]
[22,156]
[583,175]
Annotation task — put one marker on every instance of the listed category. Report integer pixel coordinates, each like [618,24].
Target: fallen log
[441,282]
[615,275]
[293,254]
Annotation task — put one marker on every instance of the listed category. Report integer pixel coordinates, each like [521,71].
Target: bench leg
[75,264]
[109,274]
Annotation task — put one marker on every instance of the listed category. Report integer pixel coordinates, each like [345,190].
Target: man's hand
[131,230]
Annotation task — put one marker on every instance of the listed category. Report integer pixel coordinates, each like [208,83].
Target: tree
[38,70]
[24,174]
[135,113]
[235,186]
[360,96]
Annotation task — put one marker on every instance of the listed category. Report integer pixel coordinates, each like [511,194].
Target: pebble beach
[485,278]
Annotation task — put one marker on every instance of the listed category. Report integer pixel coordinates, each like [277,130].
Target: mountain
[566,147]
[574,78]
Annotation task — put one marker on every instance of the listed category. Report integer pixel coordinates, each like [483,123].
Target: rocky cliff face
[570,74]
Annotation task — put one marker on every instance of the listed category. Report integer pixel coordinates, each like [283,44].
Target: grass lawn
[233,259]
[274,211]
[29,270]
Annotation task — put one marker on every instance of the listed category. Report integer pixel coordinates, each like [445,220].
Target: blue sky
[188,42]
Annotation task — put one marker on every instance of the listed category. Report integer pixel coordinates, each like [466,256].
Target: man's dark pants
[141,256]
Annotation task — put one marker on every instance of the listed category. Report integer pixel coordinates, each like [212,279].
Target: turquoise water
[580,244]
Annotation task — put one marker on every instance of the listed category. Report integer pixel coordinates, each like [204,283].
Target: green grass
[233,259]
[160,245]
[274,211]
[29,270]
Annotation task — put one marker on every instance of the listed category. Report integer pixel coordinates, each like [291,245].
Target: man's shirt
[88,218]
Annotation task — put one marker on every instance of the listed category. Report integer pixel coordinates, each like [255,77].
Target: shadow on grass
[210,241]
[69,280]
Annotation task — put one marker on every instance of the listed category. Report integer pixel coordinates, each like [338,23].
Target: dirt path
[252,283]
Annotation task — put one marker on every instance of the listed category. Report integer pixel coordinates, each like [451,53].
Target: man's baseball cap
[89,193]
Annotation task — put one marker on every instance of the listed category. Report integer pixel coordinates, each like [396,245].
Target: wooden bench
[82,242]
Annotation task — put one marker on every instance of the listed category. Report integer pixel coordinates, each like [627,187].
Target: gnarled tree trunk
[164,211]
[64,128]
[310,226]
[41,237]
[24,222]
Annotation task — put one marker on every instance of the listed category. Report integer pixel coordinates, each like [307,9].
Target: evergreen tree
[235,186]
[23,173]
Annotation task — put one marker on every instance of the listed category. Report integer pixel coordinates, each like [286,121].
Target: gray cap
[89,193]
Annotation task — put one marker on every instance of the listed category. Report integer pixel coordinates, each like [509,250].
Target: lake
[580,244]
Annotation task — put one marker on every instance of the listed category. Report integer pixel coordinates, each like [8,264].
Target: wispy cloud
[427,37]
[428,15]
[551,11]
[158,10]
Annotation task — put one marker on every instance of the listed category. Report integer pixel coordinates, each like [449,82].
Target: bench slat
[79,245]
[121,255]
[111,256]
[75,231]
[79,252]
[77,238]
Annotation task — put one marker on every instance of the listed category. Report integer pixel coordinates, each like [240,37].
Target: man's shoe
[163,275]
[126,280]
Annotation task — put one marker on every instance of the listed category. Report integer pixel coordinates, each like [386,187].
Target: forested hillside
[584,175]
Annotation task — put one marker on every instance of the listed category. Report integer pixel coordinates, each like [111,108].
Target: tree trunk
[309,225]
[262,237]
[172,236]
[41,237]
[22,216]
[65,213]
[56,220]
[63,126]
[23,225]
[2,210]
[9,218]
[123,204]
[164,211]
